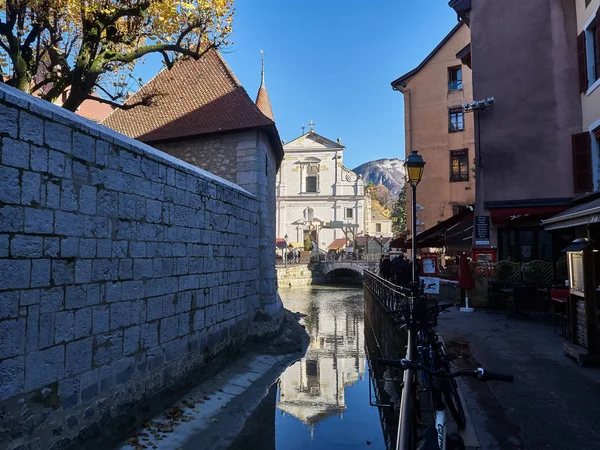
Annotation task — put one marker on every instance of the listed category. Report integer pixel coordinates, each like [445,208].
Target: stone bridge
[328,267]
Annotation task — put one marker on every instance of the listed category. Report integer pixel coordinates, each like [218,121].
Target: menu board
[429,266]
[482,230]
[576,272]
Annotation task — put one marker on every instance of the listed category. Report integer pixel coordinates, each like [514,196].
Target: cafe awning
[583,214]
[296,245]
[457,231]
[280,243]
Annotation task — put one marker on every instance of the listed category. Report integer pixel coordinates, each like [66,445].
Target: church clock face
[348,177]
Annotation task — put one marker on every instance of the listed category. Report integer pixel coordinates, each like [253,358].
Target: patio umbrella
[465,279]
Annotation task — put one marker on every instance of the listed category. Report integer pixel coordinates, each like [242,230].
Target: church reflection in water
[313,389]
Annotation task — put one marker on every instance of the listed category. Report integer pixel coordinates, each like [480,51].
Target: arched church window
[309,214]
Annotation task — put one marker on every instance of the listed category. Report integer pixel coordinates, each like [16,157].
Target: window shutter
[581,58]
[582,162]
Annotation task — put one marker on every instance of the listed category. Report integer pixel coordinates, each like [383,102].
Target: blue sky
[332,61]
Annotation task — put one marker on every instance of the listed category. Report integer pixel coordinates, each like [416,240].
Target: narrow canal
[322,401]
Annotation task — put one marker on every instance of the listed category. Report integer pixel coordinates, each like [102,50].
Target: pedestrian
[395,270]
[386,268]
[405,274]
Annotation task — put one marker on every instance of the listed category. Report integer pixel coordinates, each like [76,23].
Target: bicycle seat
[429,441]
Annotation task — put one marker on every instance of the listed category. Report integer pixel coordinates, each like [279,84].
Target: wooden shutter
[582,59]
[582,162]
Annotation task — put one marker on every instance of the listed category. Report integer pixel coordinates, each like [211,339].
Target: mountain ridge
[386,171]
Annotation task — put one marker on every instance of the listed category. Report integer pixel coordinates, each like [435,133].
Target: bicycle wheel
[450,390]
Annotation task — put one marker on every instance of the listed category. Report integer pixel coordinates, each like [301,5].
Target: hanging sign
[482,230]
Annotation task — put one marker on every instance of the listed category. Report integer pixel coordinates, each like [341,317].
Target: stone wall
[298,275]
[121,270]
[247,159]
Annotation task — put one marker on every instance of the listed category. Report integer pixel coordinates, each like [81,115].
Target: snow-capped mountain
[389,172]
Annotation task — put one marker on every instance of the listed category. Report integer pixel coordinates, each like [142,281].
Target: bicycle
[420,317]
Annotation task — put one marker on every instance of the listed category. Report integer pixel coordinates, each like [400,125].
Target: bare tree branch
[146,101]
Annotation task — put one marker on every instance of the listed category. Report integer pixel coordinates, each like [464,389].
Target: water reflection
[323,400]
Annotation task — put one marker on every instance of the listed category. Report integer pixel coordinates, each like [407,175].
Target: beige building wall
[590,100]
[427,101]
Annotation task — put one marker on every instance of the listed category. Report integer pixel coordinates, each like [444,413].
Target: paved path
[553,404]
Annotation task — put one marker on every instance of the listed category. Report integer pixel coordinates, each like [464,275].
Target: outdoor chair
[523,300]
[496,296]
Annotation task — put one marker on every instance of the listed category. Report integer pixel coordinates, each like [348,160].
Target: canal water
[322,402]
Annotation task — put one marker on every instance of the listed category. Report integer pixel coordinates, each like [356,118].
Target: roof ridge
[228,70]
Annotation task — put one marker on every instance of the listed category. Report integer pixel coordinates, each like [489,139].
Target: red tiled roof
[193,98]
[337,244]
[94,110]
[264,103]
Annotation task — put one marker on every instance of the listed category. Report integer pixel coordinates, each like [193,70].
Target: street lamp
[414,165]
[285,238]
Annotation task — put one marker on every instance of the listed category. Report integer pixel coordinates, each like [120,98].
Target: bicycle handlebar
[479,373]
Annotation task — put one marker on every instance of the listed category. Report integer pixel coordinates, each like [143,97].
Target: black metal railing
[393,297]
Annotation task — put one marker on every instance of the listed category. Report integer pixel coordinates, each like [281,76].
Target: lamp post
[414,165]
[285,238]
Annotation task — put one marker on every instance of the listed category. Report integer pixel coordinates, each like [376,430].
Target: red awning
[337,244]
[507,215]
[280,243]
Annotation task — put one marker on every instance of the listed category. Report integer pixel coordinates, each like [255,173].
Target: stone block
[51,300]
[131,340]
[30,188]
[76,297]
[168,329]
[93,294]
[149,335]
[15,153]
[15,274]
[23,246]
[108,203]
[155,308]
[120,315]
[52,195]
[68,224]
[138,312]
[13,337]
[11,218]
[133,290]
[69,200]
[38,159]
[83,323]
[63,272]
[46,334]
[104,249]
[125,269]
[10,191]
[127,205]
[84,147]
[107,378]
[64,327]
[119,249]
[105,270]
[154,211]
[4,245]
[89,383]
[57,136]
[33,327]
[44,367]
[68,392]
[100,319]
[87,247]
[184,323]
[69,247]
[56,163]
[124,370]
[9,115]
[137,249]
[29,297]
[168,305]
[107,348]
[39,221]
[87,200]
[83,271]
[40,273]
[12,374]
[31,128]
[79,356]
[97,227]
[9,305]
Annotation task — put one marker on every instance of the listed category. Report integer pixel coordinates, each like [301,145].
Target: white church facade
[317,195]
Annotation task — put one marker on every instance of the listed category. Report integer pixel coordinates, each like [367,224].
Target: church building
[316,195]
